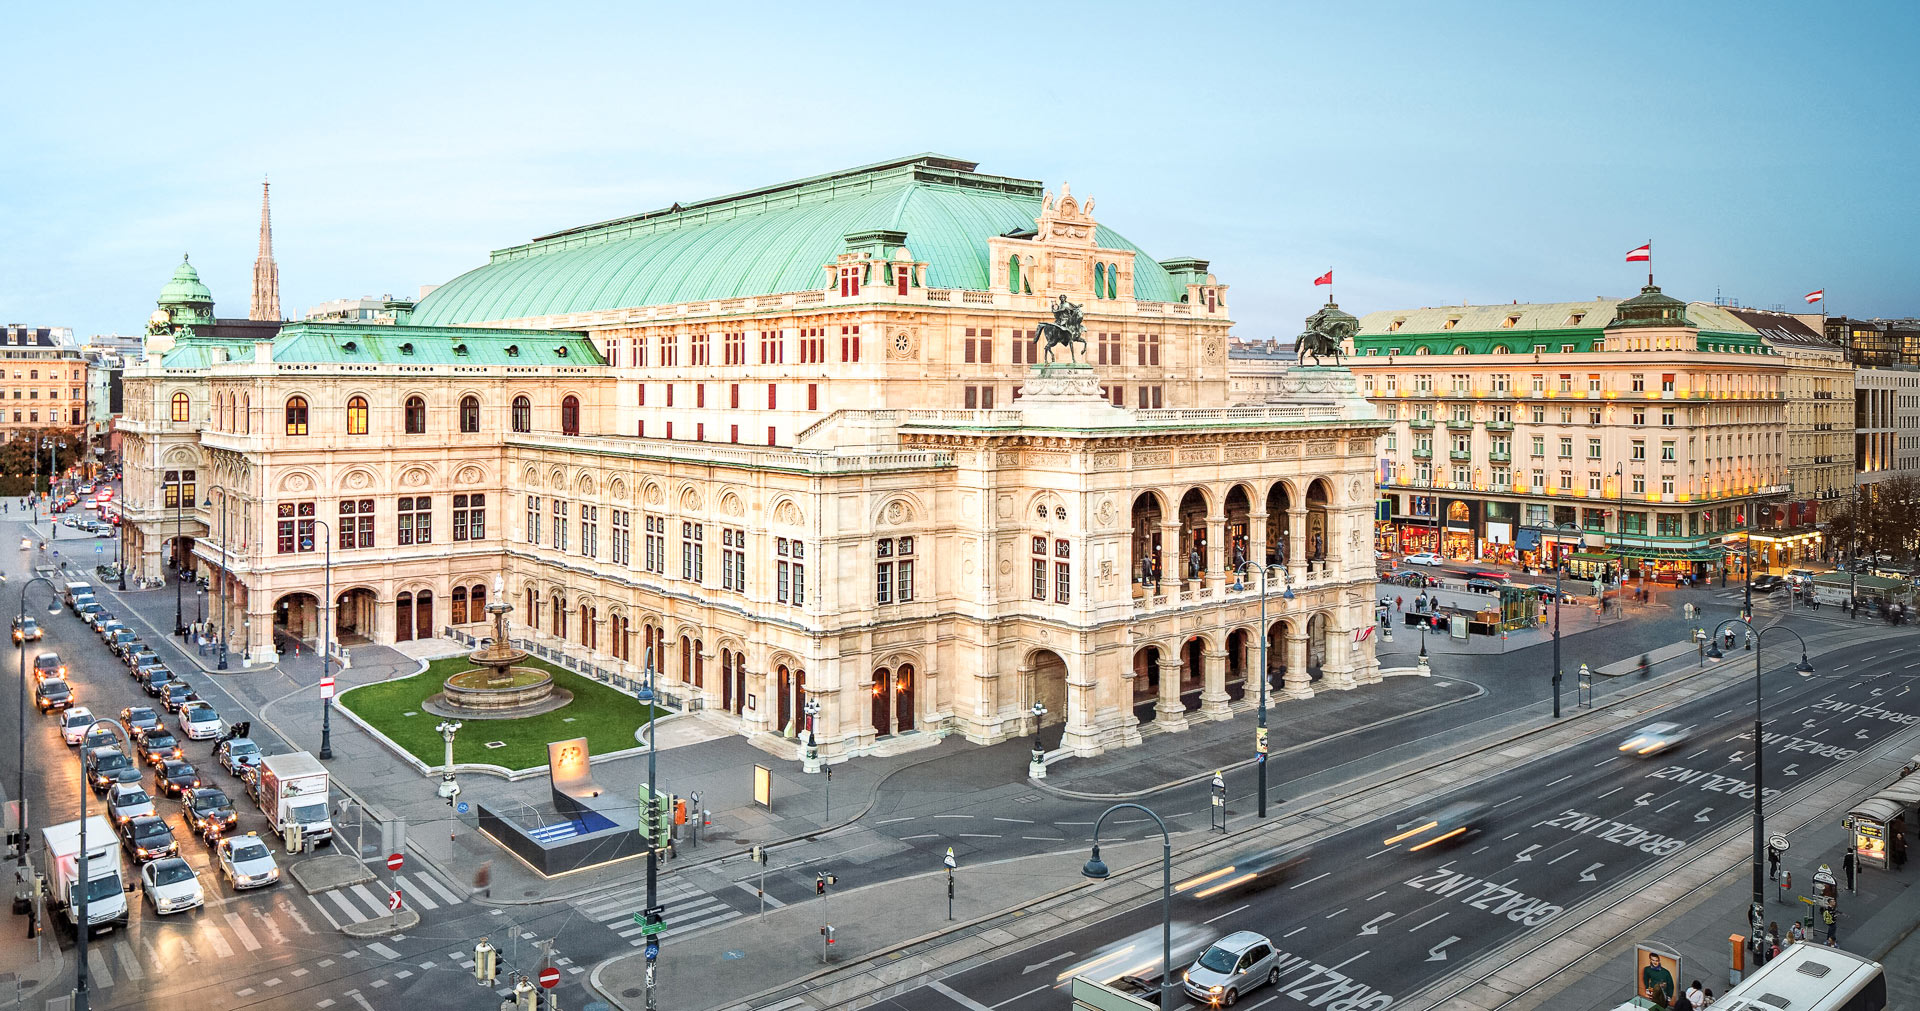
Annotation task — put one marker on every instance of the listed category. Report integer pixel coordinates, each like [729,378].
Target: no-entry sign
[549,977]
[326,688]
[394,861]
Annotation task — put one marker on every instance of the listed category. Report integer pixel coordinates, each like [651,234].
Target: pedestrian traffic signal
[820,885]
[827,932]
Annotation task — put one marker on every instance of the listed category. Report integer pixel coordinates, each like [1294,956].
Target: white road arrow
[1788,771]
[1373,926]
[1438,953]
[1860,735]
[1807,725]
[1048,962]
[1701,815]
[1526,854]
[1643,800]
[1738,756]
[1587,875]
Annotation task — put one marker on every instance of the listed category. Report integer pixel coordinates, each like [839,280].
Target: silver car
[171,886]
[1654,738]
[1232,966]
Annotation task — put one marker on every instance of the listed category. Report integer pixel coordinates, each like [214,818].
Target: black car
[108,766]
[52,694]
[158,745]
[138,658]
[209,813]
[1768,583]
[138,720]
[1481,584]
[177,694]
[145,668]
[148,838]
[157,681]
[176,777]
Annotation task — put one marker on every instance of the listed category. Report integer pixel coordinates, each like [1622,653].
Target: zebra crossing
[689,908]
[420,889]
[152,946]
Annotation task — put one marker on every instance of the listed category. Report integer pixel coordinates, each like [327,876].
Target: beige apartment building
[1820,414]
[792,445]
[43,381]
[1636,435]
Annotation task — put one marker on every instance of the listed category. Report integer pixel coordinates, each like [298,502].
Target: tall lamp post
[1260,728]
[1097,870]
[222,665]
[1757,914]
[1559,569]
[647,698]
[82,1000]
[52,608]
[326,626]
[1037,762]
[179,533]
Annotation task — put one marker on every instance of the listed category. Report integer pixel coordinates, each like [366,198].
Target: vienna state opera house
[800,444]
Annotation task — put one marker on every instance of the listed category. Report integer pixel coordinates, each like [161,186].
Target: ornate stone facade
[778,495]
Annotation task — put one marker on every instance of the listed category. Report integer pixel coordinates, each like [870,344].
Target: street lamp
[1559,569]
[1260,729]
[222,665]
[82,1001]
[1097,870]
[53,607]
[326,602]
[812,757]
[1757,914]
[179,533]
[449,789]
[646,697]
[1037,765]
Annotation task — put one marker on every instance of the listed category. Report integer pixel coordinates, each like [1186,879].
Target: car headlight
[1215,989]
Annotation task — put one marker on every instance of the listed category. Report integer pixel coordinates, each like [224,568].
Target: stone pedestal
[1067,395]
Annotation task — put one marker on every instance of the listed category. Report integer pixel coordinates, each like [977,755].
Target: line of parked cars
[114,757]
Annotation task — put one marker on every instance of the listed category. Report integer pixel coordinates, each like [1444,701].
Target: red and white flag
[1326,278]
[1817,296]
[1643,253]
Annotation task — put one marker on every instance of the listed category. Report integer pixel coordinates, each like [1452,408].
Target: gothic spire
[266,274]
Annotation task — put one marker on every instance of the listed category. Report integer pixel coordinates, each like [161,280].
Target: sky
[1427,153]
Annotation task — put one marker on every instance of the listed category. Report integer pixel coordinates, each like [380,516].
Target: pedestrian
[1397,602]
[1796,933]
[1706,1000]
[1846,863]
[483,878]
[1831,943]
[1682,1002]
[1695,995]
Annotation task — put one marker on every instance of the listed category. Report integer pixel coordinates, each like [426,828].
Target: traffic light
[827,932]
[820,884]
[663,813]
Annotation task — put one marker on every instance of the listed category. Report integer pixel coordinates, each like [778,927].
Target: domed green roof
[776,239]
[185,288]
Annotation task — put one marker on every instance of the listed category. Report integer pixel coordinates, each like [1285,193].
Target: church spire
[266,274]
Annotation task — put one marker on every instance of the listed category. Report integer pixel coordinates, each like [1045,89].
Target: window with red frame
[669,350]
[1148,346]
[813,345]
[850,343]
[772,397]
[773,347]
[849,282]
[700,349]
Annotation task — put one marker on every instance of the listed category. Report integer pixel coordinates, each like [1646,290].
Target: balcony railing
[1459,455]
[1422,454]
[1460,424]
[1420,423]
[1497,425]
[1500,456]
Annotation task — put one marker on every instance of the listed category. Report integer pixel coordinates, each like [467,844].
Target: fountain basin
[480,693]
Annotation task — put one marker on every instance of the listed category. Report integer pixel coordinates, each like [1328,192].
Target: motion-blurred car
[1654,738]
[1411,577]
[26,629]
[171,885]
[1424,558]
[48,665]
[246,862]
[1450,825]
[1247,871]
[1487,582]
[1768,583]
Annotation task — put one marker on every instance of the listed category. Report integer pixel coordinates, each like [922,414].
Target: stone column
[257,627]
[1081,736]
[1173,557]
[1257,538]
[1214,703]
[1297,684]
[1168,713]
[1217,552]
[1336,671]
[1297,547]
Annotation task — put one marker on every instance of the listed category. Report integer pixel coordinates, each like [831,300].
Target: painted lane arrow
[1048,962]
[1525,854]
[1738,756]
[1788,771]
[1587,875]
[1643,800]
[1860,735]
[1701,815]
[1438,953]
[1373,926]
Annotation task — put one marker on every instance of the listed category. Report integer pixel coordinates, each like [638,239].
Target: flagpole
[1649,263]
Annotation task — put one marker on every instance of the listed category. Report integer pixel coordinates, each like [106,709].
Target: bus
[1810,977]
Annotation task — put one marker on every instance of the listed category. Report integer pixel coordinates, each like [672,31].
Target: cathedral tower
[266,274]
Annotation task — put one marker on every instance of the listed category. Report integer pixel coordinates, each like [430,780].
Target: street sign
[326,688]
[394,860]
[1778,842]
[393,901]
[948,859]
[549,977]
[653,950]
[461,807]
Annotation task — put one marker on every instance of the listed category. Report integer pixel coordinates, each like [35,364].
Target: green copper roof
[1515,329]
[332,343]
[776,239]
[185,287]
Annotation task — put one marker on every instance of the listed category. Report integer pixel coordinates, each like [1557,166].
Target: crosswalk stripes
[420,890]
[689,908]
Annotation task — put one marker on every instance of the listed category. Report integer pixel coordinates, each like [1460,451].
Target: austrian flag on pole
[1326,278]
[1815,296]
[1643,253]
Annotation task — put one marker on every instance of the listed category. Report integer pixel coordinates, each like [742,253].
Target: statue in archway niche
[1066,330]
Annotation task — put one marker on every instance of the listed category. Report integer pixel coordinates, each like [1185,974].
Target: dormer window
[460,349]
[407,348]
[560,352]
[513,351]
[1512,321]
[1451,323]
[1395,325]
[350,347]
[1574,320]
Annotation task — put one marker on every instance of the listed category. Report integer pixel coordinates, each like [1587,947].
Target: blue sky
[1427,152]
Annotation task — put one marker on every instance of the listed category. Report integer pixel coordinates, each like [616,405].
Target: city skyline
[406,171]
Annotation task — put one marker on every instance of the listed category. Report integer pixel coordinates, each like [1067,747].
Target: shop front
[1593,565]
[1461,543]
[1787,548]
[1672,565]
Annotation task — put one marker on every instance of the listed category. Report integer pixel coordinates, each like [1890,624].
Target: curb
[381,926]
[191,656]
[359,874]
[1479,691]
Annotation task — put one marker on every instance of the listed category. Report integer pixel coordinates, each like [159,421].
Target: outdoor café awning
[1594,556]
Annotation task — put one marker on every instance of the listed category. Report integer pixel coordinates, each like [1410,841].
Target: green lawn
[606,718]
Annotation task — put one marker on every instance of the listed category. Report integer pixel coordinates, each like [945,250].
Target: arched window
[246,413]
[570,415]
[469,413]
[522,414]
[1099,280]
[1113,280]
[1013,274]
[416,416]
[180,407]
[296,415]
[356,415]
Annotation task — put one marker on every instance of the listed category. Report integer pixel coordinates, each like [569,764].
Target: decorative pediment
[1066,219]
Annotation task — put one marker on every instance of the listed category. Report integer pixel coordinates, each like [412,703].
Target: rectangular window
[589,530]
[700,349]
[1147,346]
[356,524]
[1666,484]
[1566,448]
[1639,417]
[469,517]
[733,560]
[622,553]
[560,510]
[1639,451]
[734,348]
[1639,484]
[1539,415]
[773,400]
[773,347]
[699,394]
[669,350]
[1593,449]
[850,343]
[533,519]
[971,354]
[1593,383]
[813,396]
[693,552]
[986,346]
[656,547]
[416,520]
[1639,383]
[1566,480]
[733,397]
[1666,450]
[1593,481]
[638,348]
[1062,572]
[1666,383]
[1666,418]
[1040,576]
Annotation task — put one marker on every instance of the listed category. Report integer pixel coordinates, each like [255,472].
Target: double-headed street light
[1037,764]
[222,665]
[53,607]
[647,697]
[1559,569]
[1097,870]
[326,643]
[1260,729]
[1757,914]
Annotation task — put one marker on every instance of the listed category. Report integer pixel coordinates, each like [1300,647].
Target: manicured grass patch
[606,718]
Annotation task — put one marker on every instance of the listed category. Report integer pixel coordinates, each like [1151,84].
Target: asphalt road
[1362,923]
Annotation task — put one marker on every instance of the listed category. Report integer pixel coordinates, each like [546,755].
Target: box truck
[105,887]
[292,790]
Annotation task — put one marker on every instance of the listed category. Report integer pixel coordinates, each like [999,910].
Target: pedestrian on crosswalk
[483,878]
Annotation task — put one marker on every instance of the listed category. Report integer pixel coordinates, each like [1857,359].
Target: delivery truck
[105,887]
[292,791]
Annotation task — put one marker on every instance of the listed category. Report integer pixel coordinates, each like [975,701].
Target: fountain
[495,688]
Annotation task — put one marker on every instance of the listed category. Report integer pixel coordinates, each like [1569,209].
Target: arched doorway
[1193,658]
[791,682]
[1239,662]
[1319,495]
[1147,664]
[1148,562]
[1279,531]
[297,616]
[423,614]
[1049,688]
[693,668]
[1277,635]
[733,681]
[403,616]
[353,616]
[1318,628]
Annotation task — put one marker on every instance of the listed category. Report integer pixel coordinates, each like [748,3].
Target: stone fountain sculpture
[496,687]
